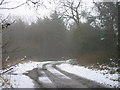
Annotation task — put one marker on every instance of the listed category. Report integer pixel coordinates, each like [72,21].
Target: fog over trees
[51,39]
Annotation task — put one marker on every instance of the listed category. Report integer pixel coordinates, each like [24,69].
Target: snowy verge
[24,67]
[90,74]
[17,79]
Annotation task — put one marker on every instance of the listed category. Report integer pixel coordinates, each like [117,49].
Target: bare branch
[13,7]
[2,2]
[4,20]
[78,4]
[35,3]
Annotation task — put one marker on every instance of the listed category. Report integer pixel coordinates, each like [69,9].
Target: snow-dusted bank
[17,79]
[95,75]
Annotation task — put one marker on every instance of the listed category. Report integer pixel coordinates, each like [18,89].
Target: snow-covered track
[61,79]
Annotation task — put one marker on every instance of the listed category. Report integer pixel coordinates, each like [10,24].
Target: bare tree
[72,10]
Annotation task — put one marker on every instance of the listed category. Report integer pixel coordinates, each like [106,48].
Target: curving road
[52,77]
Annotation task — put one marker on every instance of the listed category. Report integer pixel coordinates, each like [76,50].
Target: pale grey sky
[28,14]
[25,12]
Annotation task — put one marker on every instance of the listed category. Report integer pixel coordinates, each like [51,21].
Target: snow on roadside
[94,75]
[19,80]
[24,67]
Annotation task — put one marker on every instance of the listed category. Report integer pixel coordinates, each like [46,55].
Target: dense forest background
[50,39]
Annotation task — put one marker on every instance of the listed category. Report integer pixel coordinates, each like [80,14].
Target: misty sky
[29,13]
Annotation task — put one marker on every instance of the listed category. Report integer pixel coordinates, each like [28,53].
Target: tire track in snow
[44,80]
[84,81]
[59,79]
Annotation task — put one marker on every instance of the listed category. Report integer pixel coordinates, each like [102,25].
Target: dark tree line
[45,39]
